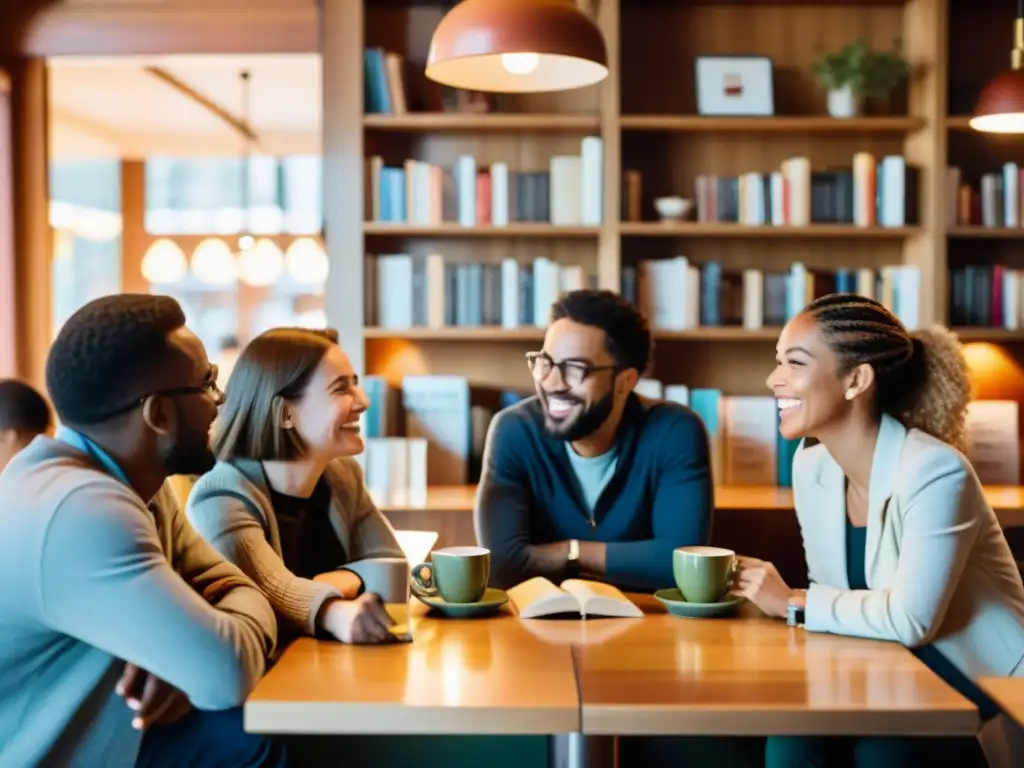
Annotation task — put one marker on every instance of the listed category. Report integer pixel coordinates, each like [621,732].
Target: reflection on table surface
[473,676]
[657,675]
[756,676]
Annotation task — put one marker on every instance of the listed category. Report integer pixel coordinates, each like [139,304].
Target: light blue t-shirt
[592,474]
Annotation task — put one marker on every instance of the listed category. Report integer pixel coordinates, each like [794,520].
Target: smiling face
[807,382]
[580,400]
[326,415]
[186,449]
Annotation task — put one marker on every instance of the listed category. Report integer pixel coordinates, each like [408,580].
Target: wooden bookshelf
[383,229]
[483,333]
[987,233]
[447,122]
[1007,501]
[992,335]
[492,334]
[645,114]
[702,230]
[996,355]
[820,124]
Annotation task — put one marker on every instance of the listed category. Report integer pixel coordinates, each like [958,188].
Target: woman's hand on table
[363,621]
[759,581]
[346,582]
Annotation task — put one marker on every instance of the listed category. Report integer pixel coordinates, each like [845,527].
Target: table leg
[574,750]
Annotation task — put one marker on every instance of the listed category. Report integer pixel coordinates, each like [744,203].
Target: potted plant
[856,72]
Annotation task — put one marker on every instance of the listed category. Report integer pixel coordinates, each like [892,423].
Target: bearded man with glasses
[587,479]
[125,639]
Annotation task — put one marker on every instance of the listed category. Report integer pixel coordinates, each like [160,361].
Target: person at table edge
[587,478]
[901,543]
[126,640]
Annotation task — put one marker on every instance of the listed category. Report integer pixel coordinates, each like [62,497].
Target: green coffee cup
[703,574]
[458,574]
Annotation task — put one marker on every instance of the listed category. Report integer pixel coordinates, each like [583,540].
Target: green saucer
[492,600]
[673,600]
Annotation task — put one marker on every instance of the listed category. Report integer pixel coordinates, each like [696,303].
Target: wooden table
[660,675]
[1008,693]
[484,676]
[754,676]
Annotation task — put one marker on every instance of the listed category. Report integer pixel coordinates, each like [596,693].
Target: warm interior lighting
[214,263]
[164,263]
[520,63]
[995,375]
[261,264]
[517,46]
[307,262]
[416,545]
[1000,107]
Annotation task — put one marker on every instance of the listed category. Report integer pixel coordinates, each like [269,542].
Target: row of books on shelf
[568,193]
[404,291]
[986,295]
[444,421]
[453,417]
[998,200]
[676,295]
[872,192]
[384,82]
[395,469]
[386,92]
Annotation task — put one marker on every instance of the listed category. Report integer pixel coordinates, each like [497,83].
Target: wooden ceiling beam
[236,123]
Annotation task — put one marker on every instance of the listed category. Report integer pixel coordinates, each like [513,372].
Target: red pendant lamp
[517,46]
[1000,107]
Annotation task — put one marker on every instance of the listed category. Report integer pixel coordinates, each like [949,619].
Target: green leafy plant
[864,71]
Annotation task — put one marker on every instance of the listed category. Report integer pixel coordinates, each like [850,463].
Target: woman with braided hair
[899,539]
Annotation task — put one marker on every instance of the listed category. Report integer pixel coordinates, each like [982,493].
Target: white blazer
[938,567]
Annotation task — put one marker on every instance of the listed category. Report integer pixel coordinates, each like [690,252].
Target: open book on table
[539,597]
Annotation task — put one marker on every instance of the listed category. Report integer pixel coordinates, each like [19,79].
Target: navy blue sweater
[660,497]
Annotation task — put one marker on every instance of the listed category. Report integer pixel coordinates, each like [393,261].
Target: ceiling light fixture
[1000,107]
[517,46]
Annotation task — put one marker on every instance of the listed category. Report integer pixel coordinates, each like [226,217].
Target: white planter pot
[842,102]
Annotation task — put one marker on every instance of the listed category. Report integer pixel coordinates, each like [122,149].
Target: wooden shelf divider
[712,229]
[986,233]
[1008,501]
[387,229]
[499,334]
[454,122]
[780,124]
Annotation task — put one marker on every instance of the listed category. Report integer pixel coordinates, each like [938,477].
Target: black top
[309,543]
[659,498]
[856,545]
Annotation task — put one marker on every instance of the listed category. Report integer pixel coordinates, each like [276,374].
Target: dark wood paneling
[157,27]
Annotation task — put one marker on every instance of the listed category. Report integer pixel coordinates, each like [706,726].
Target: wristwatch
[795,613]
[573,560]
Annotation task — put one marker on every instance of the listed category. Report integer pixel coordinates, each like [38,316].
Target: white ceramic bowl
[672,208]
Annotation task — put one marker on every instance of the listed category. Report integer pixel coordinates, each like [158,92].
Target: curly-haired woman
[899,539]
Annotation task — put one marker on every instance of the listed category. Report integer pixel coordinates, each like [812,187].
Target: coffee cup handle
[422,580]
[730,576]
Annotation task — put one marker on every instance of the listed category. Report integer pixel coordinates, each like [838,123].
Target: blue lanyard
[87,446]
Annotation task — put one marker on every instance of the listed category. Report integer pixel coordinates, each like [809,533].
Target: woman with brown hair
[899,539]
[286,501]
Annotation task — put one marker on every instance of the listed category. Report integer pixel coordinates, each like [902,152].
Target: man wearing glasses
[587,479]
[124,638]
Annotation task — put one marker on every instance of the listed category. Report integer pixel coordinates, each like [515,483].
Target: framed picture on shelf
[734,86]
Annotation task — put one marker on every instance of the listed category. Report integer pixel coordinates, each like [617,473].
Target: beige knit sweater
[230,507]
